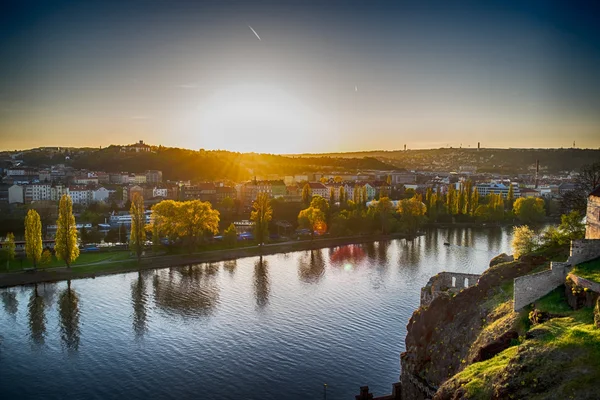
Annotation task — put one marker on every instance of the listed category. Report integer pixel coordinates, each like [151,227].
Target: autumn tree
[33,237]
[66,232]
[230,235]
[529,210]
[524,240]
[306,194]
[510,197]
[261,215]
[137,236]
[384,209]
[342,197]
[450,200]
[8,248]
[312,218]
[412,215]
[331,197]
[474,203]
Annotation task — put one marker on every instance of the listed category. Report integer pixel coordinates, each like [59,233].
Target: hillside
[508,161]
[474,346]
[183,164]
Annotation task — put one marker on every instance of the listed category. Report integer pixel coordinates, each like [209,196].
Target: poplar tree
[33,237]
[137,236]
[510,198]
[342,197]
[450,199]
[261,216]
[474,200]
[66,232]
[306,194]
[467,209]
[331,197]
[9,248]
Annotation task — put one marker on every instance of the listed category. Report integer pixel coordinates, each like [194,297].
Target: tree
[585,183]
[46,257]
[33,237]
[312,218]
[529,210]
[450,200]
[474,200]
[524,241]
[306,194]
[342,197]
[572,226]
[9,248]
[412,213]
[230,235]
[510,197]
[137,237]
[261,215]
[155,238]
[331,197]
[384,208]
[66,232]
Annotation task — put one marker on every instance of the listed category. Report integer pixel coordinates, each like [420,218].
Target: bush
[524,241]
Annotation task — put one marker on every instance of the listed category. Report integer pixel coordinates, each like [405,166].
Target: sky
[300,76]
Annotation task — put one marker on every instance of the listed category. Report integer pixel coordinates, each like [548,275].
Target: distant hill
[183,164]
[486,160]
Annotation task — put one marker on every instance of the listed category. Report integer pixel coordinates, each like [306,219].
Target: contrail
[253,31]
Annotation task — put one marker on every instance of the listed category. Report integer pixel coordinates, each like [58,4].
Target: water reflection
[311,266]
[68,310]
[37,317]
[10,302]
[382,253]
[261,283]
[230,266]
[139,298]
[187,291]
[347,256]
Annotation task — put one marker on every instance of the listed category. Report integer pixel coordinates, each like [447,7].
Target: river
[279,327]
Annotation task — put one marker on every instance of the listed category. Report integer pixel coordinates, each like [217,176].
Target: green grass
[554,302]
[478,377]
[589,270]
[84,258]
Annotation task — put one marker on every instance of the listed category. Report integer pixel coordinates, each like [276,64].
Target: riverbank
[122,266]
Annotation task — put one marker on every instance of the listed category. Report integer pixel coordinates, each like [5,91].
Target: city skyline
[300,77]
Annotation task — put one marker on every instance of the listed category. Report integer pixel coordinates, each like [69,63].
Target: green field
[589,270]
[84,259]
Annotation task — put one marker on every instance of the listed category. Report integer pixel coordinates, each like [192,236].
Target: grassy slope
[589,270]
[561,359]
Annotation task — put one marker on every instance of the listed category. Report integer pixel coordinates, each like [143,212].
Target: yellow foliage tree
[137,237]
[66,232]
[412,214]
[261,215]
[33,237]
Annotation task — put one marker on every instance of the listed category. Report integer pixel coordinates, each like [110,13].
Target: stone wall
[584,250]
[592,228]
[529,288]
[585,283]
[452,282]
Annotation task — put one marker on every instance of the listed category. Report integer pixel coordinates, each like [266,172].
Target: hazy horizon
[300,77]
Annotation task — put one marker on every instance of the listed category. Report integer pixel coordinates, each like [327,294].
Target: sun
[259,118]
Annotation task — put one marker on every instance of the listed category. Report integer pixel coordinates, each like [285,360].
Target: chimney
[404,147]
[478,146]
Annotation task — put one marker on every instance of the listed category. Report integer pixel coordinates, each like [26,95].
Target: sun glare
[254,117]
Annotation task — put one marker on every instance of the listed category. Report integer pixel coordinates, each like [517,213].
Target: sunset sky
[310,76]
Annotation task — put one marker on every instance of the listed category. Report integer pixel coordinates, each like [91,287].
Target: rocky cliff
[473,345]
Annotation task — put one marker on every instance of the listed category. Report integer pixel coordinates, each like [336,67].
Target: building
[160,192]
[137,179]
[15,195]
[318,189]
[80,195]
[566,187]
[527,192]
[120,178]
[38,192]
[139,147]
[205,191]
[485,189]
[101,195]
[225,191]
[153,176]
[592,227]
[133,190]
[85,180]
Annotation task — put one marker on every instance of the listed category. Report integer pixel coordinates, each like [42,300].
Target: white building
[318,189]
[80,195]
[159,192]
[15,194]
[100,194]
[497,188]
[38,192]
